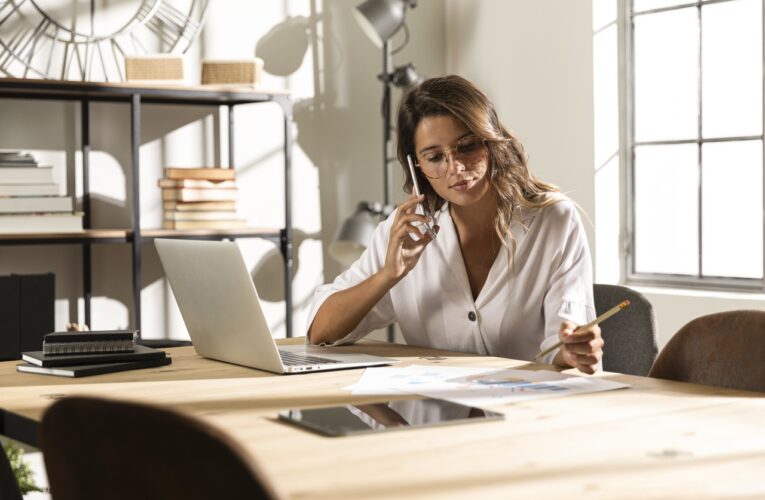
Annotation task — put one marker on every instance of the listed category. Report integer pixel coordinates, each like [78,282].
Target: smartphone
[418,193]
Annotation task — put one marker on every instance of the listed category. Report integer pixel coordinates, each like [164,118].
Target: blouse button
[471,316]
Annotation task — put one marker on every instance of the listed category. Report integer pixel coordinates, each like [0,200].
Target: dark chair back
[9,488]
[101,449]
[725,349]
[630,336]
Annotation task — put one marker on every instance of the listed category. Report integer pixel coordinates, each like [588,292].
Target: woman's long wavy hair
[508,172]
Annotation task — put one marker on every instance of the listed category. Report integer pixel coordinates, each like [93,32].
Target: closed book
[36,309]
[75,371]
[36,204]
[41,223]
[196,183]
[209,173]
[49,189]
[204,224]
[141,353]
[189,194]
[177,216]
[14,164]
[17,159]
[199,206]
[26,175]
[10,319]
[89,342]
[91,335]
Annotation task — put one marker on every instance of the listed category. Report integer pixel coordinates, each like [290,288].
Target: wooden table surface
[657,439]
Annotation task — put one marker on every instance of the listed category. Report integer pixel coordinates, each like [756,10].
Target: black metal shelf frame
[86,93]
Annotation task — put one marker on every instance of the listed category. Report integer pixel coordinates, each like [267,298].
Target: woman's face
[459,178]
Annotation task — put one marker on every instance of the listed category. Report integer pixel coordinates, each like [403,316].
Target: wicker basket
[246,71]
[160,67]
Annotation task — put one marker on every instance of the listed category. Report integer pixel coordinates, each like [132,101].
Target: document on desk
[477,386]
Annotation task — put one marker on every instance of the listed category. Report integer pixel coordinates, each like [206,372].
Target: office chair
[9,488]
[630,336]
[725,349]
[100,449]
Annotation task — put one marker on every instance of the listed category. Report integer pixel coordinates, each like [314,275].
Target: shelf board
[87,236]
[125,236]
[211,234]
[161,94]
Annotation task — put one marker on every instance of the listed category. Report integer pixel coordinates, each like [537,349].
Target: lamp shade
[380,19]
[354,235]
[405,76]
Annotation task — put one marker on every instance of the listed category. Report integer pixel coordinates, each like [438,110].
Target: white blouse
[518,311]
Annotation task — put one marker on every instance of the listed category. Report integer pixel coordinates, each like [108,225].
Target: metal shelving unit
[137,96]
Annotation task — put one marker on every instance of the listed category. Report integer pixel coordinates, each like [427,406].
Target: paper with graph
[475,386]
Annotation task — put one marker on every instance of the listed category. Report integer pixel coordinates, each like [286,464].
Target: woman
[509,272]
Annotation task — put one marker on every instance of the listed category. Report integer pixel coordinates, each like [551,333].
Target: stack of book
[30,200]
[78,354]
[200,198]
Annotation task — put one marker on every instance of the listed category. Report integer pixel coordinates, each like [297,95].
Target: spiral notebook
[96,342]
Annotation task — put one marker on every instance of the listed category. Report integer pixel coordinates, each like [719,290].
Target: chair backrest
[724,349]
[9,488]
[96,448]
[630,336]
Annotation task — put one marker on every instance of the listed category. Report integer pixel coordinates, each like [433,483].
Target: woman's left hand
[583,350]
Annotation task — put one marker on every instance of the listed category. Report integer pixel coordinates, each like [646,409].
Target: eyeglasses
[468,151]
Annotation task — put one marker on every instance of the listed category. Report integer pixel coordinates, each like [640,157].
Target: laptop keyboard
[294,359]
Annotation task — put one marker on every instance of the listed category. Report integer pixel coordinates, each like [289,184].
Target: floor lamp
[380,20]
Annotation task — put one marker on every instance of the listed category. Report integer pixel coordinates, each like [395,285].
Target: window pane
[731,68]
[666,209]
[641,5]
[666,75]
[732,209]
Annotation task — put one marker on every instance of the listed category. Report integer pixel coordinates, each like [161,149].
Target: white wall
[534,60]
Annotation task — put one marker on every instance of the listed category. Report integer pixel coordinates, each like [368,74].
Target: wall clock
[88,39]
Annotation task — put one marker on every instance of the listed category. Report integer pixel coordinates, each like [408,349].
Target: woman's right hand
[403,250]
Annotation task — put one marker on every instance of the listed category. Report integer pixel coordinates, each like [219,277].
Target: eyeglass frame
[451,152]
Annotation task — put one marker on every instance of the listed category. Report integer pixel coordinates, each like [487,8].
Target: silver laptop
[222,312]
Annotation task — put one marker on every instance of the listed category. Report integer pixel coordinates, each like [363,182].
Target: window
[694,129]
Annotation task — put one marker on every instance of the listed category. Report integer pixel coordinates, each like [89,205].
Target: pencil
[622,305]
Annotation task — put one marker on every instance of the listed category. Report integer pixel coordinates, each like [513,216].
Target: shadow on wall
[268,272]
[332,127]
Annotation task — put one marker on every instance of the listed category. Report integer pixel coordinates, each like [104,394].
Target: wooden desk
[658,439]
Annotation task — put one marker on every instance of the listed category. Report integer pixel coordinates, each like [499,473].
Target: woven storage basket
[154,68]
[246,71]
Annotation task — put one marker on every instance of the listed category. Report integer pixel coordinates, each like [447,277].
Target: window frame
[627,153]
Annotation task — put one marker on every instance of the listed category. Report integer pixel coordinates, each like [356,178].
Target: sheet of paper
[475,386]
[409,379]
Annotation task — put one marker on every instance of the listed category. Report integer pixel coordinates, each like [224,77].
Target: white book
[26,175]
[231,215]
[36,204]
[204,224]
[41,223]
[50,189]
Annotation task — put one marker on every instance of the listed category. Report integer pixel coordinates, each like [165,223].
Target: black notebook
[103,341]
[97,369]
[141,353]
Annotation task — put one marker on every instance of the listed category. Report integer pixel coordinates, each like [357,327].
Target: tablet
[390,415]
